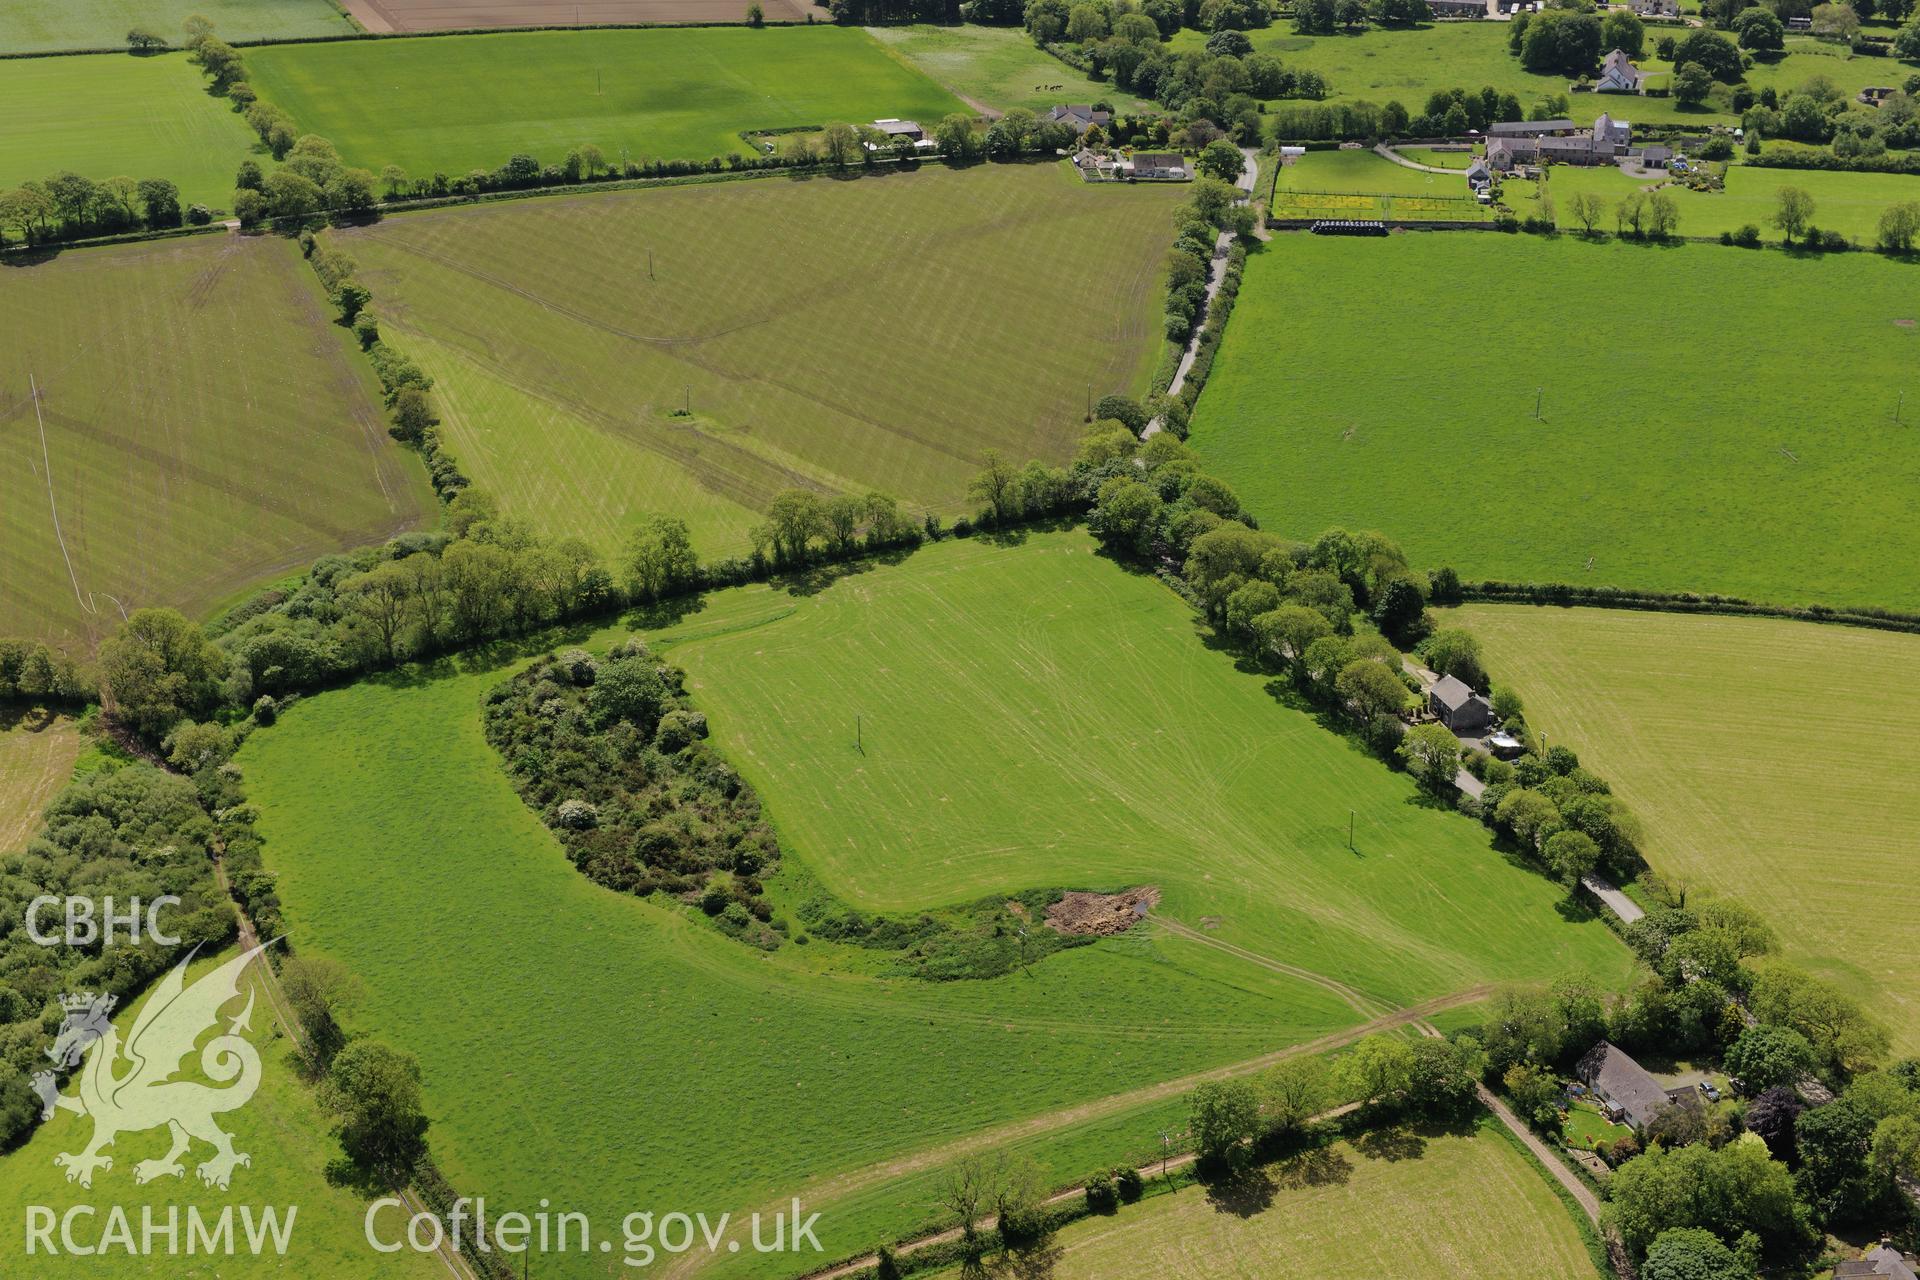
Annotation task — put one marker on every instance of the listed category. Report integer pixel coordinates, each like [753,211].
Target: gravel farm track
[384,16]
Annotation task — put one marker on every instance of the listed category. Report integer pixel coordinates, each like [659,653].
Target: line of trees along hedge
[71,206]
[1568,594]
[1446,113]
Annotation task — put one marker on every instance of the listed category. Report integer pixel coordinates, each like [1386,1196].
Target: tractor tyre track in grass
[827,1190]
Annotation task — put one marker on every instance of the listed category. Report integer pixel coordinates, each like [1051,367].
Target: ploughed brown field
[453,15]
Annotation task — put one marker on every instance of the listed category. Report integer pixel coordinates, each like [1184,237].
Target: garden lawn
[1585,1127]
[1770,761]
[997,68]
[35,26]
[118,115]
[1361,184]
[906,324]
[207,425]
[1850,203]
[1038,716]
[1441,159]
[1748,466]
[454,103]
[282,1128]
[638,1058]
[1442,1204]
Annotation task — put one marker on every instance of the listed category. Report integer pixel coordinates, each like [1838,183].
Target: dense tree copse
[126,830]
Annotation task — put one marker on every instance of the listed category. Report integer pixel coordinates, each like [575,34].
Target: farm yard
[244,446]
[902,330]
[42,26]
[388,820]
[1448,1203]
[997,68]
[285,1132]
[1641,470]
[450,15]
[107,116]
[453,103]
[1360,184]
[966,665]
[1769,760]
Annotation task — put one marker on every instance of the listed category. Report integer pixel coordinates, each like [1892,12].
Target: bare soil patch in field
[1101,913]
[456,15]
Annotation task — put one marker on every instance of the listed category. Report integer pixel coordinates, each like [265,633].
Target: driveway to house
[1216,275]
[1467,783]
[1386,152]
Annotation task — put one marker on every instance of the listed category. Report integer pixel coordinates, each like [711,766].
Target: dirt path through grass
[827,1190]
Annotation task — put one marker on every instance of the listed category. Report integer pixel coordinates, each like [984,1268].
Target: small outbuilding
[900,128]
[1458,707]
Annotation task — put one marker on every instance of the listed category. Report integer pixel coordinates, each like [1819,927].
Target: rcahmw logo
[133,1087]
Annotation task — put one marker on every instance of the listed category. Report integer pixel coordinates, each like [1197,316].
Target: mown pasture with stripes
[202,426]
[601,356]
[1770,761]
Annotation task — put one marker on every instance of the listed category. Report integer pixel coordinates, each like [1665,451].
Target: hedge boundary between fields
[263,42]
[1568,595]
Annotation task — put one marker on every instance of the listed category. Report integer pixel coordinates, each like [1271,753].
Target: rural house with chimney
[1458,707]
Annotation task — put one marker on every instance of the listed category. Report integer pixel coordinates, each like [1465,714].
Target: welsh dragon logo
[131,1088]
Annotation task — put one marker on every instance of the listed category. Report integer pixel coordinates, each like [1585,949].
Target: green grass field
[454,103]
[282,1128]
[1360,184]
[403,850]
[118,115]
[207,426]
[970,665]
[37,751]
[35,26]
[1379,66]
[1462,1206]
[1850,203]
[409,857]
[1652,465]
[906,324]
[1769,760]
[997,67]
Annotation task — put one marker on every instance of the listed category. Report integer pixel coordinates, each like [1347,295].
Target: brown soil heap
[1101,913]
